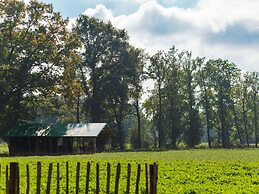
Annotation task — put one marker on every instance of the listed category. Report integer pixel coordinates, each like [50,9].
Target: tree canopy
[35,50]
[92,73]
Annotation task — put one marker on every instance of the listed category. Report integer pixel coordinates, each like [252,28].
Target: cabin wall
[51,145]
[32,145]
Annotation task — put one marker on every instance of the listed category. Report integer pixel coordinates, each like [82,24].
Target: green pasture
[3,149]
[181,171]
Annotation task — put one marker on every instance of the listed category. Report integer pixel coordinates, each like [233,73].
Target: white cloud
[100,12]
[214,29]
[220,14]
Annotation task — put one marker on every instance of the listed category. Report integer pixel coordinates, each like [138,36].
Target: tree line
[91,73]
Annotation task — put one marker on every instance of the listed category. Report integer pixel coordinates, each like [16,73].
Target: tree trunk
[173,95]
[139,123]
[77,108]
[237,125]
[174,121]
[191,114]
[119,124]
[245,121]
[160,130]
[95,100]
[255,119]
[155,139]
[192,135]
[207,118]
[83,80]
[223,134]
[16,106]
[222,116]
[119,127]
[119,119]
[174,134]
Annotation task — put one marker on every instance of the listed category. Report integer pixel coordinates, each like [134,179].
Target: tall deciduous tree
[251,87]
[156,71]
[151,114]
[96,37]
[236,104]
[206,95]
[174,93]
[244,89]
[117,81]
[35,49]
[108,70]
[193,132]
[222,75]
[138,60]
[254,81]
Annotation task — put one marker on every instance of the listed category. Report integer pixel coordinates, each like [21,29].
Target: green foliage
[145,135]
[157,71]
[114,68]
[175,106]
[192,96]
[45,77]
[222,75]
[35,49]
[3,148]
[193,132]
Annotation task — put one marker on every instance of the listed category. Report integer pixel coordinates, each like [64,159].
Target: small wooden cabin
[58,138]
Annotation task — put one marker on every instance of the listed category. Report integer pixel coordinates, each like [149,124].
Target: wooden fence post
[28,179]
[58,179]
[146,172]
[128,178]
[153,170]
[97,179]
[14,178]
[38,177]
[77,177]
[88,168]
[49,179]
[118,171]
[138,179]
[108,178]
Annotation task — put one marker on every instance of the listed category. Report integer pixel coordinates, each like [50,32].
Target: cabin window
[60,141]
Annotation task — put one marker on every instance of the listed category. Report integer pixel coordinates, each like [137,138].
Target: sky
[227,29]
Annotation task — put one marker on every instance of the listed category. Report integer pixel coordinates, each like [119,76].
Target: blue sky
[72,8]
[209,28]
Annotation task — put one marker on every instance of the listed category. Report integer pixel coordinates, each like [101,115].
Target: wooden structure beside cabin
[57,138]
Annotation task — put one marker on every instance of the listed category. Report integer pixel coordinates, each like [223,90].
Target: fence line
[13,178]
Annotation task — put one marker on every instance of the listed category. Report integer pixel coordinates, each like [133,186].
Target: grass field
[3,149]
[183,171]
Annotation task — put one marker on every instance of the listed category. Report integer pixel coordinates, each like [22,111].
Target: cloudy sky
[227,29]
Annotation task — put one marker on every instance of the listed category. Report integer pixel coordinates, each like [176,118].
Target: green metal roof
[57,130]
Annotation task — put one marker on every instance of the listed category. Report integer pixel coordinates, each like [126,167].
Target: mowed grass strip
[182,171]
[3,149]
